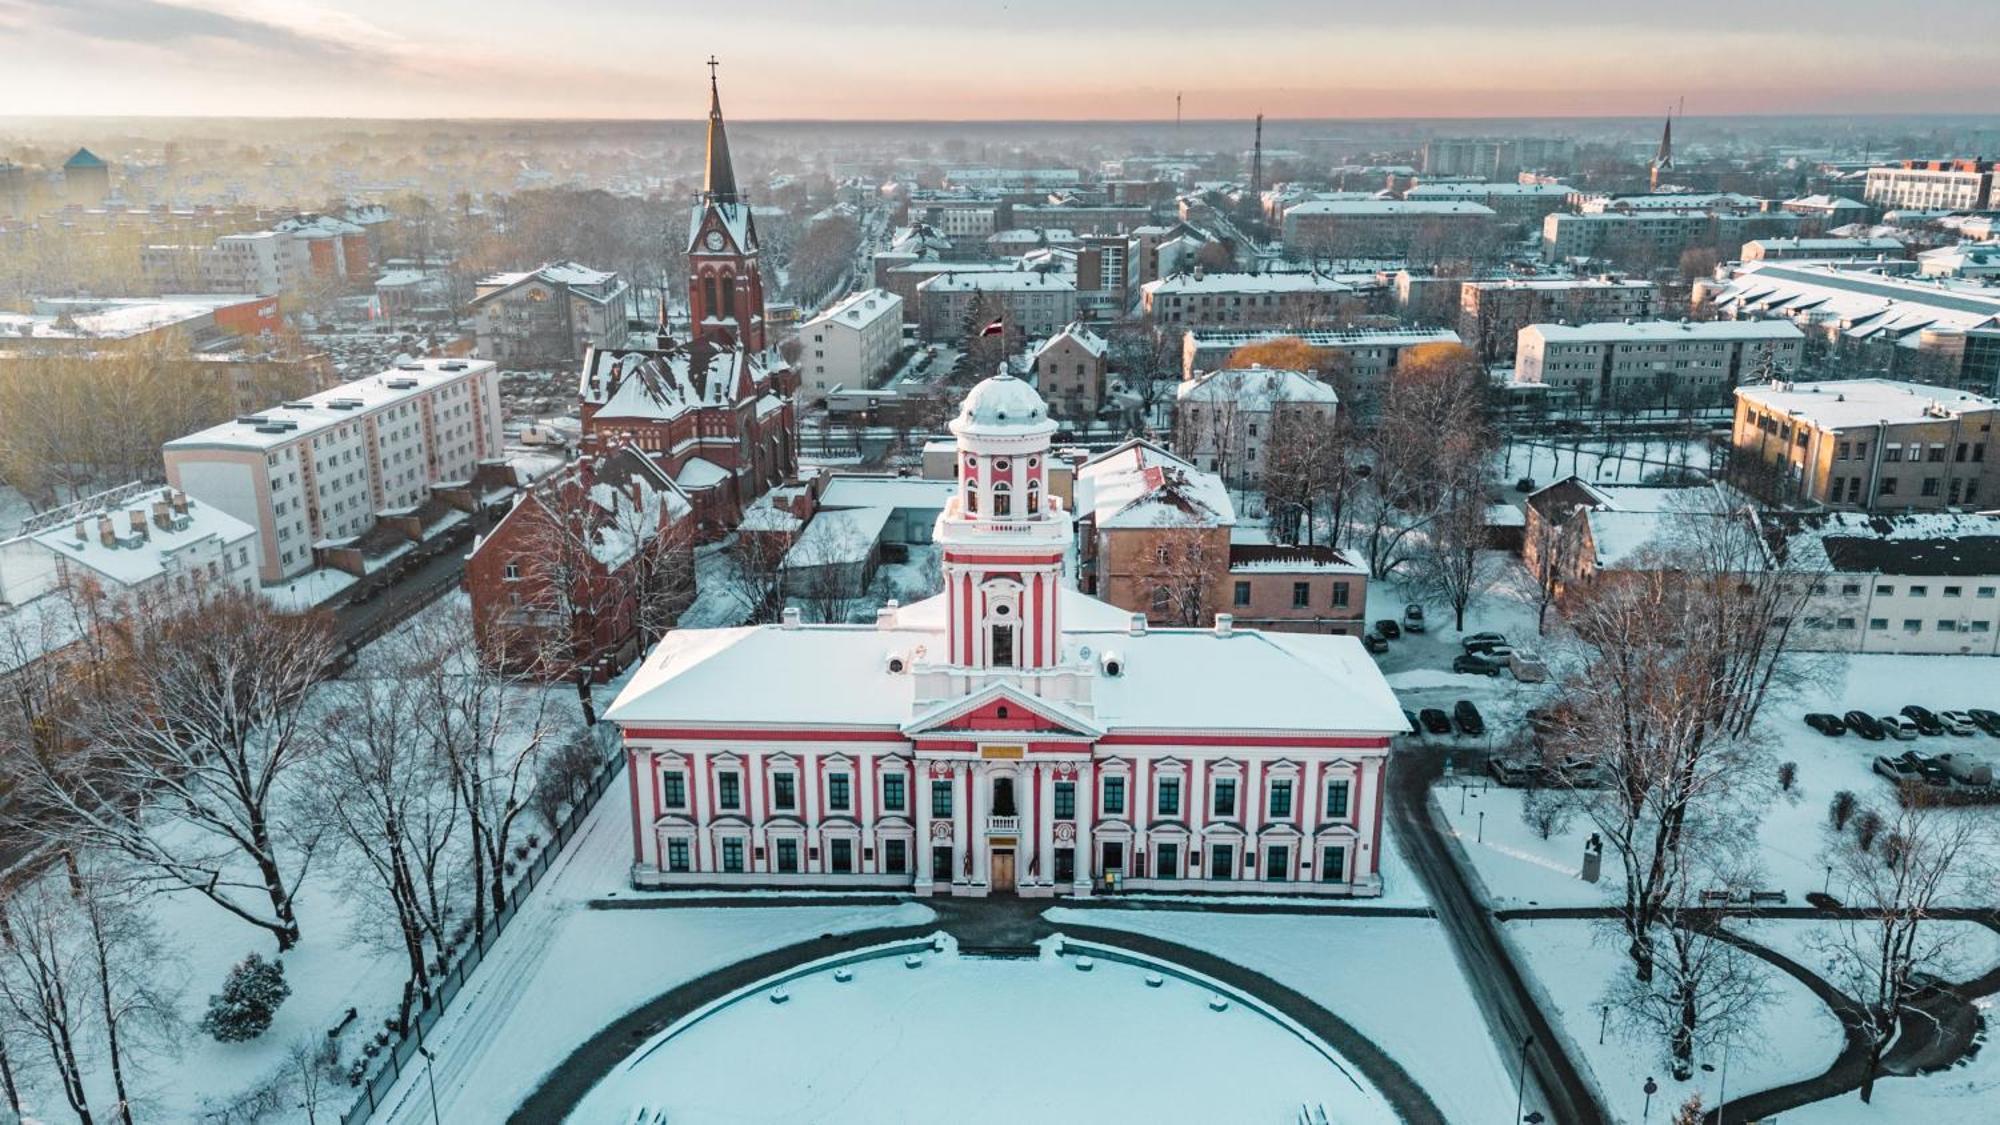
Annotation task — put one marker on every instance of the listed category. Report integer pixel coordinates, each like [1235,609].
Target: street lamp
[431,1076]
[1603,1017]
[1482,827]
[1521,1077]
[1827,887]
[1652,1088]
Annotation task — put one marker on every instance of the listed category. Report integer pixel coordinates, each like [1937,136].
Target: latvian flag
[998,326]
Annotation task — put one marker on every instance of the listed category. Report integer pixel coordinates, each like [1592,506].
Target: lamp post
[1827,887]
[1603,1017]
[1482,827]
[1521,1076]
[1722,1091]
[431,1077]
[1651,1088]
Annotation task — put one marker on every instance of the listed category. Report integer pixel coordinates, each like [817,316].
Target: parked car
[1864,724]
[1957,723]
[1577,772]
[1388,628]
[1966,769]
[1410,717]
[1989,721]
[1482,639]
[1528,668]
[1898,727]
[1476,665]
[1513,772]
[1828,725]
[1469,719]
[1435,720]
[1492,651]
[1902,767]
[1926,722]
[1544,720]
[1413,618]
[1373,642]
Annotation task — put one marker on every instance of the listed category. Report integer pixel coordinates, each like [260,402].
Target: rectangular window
[1913,625]
[941,865]
[1846,623]
[1065,865]
[1168,861]
[1888,487]
[837,792]
[1277,863]
[784,792]
[1114,796]
[1065,800]
[1892,453]
[677,855]
[940,798]
[732,855]
[1851,589]
[1336,799]
[788,857]
[1242,596]
[1986,591]
[1281,799]
[1301,595]
[1170,797]
[1340,595]
[895,857]
[1333,863]
[892,793]
[1221,861]
[1885,591]
[1225,797]
[728,790]
[1919,591]
[1981,626]
[842,856]
[1878,624]
[1954,591]
[673,790]
[1947,625]
[1930,486]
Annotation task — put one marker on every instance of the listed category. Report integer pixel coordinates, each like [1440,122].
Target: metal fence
[402,1052]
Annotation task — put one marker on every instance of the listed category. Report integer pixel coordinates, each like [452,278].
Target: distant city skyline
[1012,60]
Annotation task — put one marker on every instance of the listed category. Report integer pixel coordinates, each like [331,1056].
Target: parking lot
[1943,753]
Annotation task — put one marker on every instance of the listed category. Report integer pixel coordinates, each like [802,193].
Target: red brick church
[715,409]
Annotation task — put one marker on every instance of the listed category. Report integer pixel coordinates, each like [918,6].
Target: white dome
[1003,402]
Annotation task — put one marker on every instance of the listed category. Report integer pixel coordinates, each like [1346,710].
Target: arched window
[1163,602]
[728,307]
[1003,500]
[1034,497]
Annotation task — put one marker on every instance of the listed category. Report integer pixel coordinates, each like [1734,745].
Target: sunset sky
[951,59]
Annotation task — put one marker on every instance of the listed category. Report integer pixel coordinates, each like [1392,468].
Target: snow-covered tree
[250,997]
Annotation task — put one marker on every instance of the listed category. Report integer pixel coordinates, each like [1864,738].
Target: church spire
[1664,159]
[719,184]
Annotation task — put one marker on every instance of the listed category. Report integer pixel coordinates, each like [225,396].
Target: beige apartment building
[851,344]
[1864,445]
[1297,589]
[1388,228]
[1931,185]
[1070,369]
[1656,363]
[1153,534]
[1214,300]
[1491,314]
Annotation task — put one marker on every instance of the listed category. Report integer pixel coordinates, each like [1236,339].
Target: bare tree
[756,580]
[205,719]
[1306,479]
[1449,568]
[826,570]
[1553,543]
[1186,566]
[45,982]
[1896,884]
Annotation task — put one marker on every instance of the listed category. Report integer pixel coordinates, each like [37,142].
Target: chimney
[138,522]
[885,618]
[163,514]
[180,500]
[1224,623]
[1138,624]
[107,532]
[790,618]
[82,531]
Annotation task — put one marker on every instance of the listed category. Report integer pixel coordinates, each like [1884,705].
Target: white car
[1527,667]
[1898,727]
[1958,723]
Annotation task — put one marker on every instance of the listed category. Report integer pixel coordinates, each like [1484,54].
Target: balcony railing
[1003,825]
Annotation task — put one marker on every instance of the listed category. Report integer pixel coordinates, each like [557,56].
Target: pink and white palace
[1010,735]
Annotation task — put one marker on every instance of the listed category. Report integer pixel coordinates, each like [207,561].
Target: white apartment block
[851,344]
[318,470]
[1028,303]
[1205,300]
[1932,185]
[1657,363]
[1224,420]
[1911,582]
[134,540]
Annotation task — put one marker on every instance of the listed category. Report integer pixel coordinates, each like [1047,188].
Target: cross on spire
[712,64]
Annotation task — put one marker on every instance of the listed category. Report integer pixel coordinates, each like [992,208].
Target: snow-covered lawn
[879,1047]
[1571,963]
[1965,949]
[309,590]
[1395,979]
[1634,462]
[563,971]
[1967,1094]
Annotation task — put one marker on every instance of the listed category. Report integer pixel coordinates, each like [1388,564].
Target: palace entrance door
[1003,870]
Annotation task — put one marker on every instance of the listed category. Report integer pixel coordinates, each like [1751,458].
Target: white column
[961,816]
[1086,815]
[753,808]
[976,806]
[862,785]
[1045,826]
[920,792]
[703,789]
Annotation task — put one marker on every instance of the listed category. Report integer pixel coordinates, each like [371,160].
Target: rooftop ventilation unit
[409,367]
[402,384]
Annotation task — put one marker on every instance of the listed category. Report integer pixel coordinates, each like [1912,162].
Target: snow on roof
[1256,389]
[1862,298]
[1843,403]
[1141,485]
[1620,537]
[1939,544]
[1003,280]
[1002,403]
[107,321]
[1255,558]
[845,490]
[1300,282]
[838,536]
[1080,333]
[701,473]
[836,677]
[654,385]
[348,402]
[1560,284]
[1462,191]
[1206,339]
[1824,201]
[316,224]
[1650,331]
[1356,208]
[858,310]
[136,557]
[1827,244]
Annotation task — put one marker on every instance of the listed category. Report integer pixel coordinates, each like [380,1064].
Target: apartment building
[1388,228]
[137,539]
[1931,185]
[1496,157]
[1512,203]
[1027,303]
[318,470]
[549,316]
[1658,235]
[1225,421]
[1070,369]
[1297,589]
[1823,249]
[1153,534]
[1656,363]
[1492,313]
[1874,445]
[295,252]
[1361,359]
[1205,300]
[851,344]
[1916,583]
